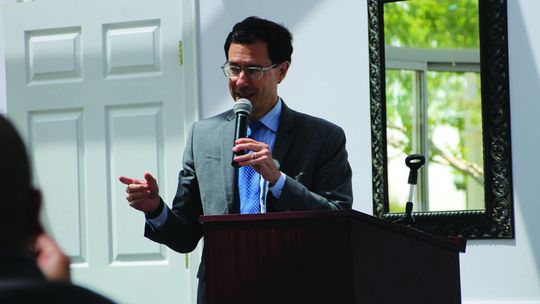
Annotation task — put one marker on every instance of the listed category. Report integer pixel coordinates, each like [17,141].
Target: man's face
[262,92]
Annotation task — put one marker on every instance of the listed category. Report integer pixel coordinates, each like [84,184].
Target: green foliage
[399,107]
[432,24]
[453,99]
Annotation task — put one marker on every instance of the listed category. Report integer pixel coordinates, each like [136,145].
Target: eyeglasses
[252,72]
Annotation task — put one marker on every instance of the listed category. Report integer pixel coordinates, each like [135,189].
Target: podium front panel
[326,257]
[293,261]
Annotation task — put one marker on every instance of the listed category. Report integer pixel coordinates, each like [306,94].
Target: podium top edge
[458,244]
[277,215]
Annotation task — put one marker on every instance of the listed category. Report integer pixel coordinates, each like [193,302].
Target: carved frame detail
[497,220]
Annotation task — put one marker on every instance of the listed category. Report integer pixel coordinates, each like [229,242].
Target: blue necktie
[248,182]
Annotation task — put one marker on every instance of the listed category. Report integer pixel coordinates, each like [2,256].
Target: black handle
[240,131]
[414,162]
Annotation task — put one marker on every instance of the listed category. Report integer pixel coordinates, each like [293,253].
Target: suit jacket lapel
[227,169]
[285,135]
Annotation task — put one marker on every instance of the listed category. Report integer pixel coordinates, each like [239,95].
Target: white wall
[509,271]
[329,78]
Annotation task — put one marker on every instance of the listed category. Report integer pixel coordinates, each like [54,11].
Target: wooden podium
[326,257]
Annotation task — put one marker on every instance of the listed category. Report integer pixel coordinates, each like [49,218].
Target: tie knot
[254,127]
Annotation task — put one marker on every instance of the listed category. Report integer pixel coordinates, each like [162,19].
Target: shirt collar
[271,119]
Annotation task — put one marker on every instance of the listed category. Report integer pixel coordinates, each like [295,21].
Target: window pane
[400,122]
[432,24]
[452,145]
[454,119]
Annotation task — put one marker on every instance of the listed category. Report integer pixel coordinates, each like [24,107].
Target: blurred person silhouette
[33,269]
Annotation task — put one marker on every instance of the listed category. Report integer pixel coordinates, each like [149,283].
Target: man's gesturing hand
[142,195]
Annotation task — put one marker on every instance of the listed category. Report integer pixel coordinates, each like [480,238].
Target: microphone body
[242,111]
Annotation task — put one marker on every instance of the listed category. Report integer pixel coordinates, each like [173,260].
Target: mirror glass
[433,103]
[439,87]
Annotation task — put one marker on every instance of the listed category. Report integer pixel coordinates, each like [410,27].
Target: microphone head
[242,106]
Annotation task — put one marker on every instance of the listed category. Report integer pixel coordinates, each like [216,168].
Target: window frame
[420,61]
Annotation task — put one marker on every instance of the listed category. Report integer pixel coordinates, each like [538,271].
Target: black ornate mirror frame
[496,221]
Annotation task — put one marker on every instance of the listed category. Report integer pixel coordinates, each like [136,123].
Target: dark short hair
[16,201]
[252,29]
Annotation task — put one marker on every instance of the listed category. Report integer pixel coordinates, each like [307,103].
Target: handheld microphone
[242,110]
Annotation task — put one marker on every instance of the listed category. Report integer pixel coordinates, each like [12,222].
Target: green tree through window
[434,105]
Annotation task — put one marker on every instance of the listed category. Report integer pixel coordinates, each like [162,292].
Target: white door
[98,90]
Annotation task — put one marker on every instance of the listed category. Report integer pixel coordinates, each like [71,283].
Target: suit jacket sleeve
[182,230]
[317,169]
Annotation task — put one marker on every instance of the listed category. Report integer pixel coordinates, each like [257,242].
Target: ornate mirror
[439,87]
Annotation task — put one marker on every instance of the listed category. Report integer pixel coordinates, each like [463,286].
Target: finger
[43,241]
[131,181]
[138,195]
[150,180]
[243,158]
[140,204]
[46,245]
[252,163]
[246,146]
[243,163]
[133,188]
[246,160]
[152,184]
[126,180]
[262,153]
[245,140]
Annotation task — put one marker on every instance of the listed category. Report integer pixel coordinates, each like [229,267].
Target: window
[433,107]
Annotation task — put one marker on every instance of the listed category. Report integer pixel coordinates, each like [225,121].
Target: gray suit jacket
[310,150]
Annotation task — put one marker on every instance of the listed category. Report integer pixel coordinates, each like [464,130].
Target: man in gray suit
[294,161]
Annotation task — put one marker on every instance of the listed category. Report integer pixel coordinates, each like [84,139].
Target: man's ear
[35,207]
[283,68]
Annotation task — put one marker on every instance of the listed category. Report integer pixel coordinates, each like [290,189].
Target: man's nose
[242,78]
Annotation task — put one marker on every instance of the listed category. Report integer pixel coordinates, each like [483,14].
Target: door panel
[96,89]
